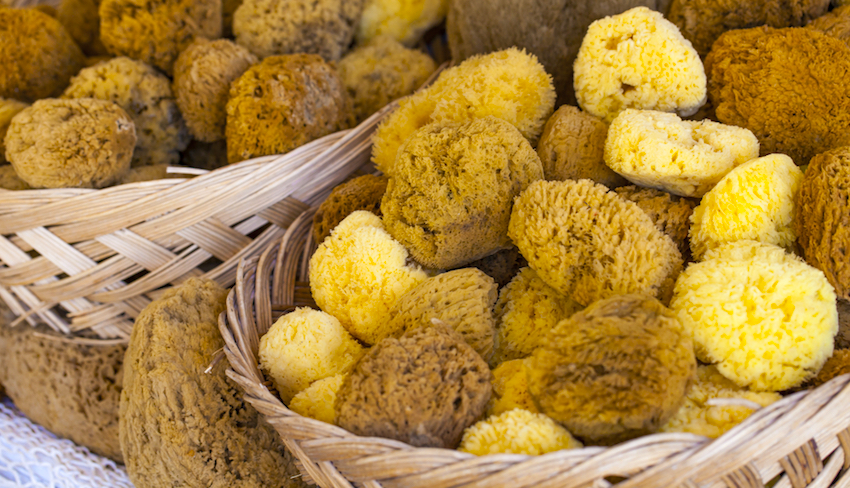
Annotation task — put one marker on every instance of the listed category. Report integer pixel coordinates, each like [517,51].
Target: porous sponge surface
[517,432]
[359,272]
[764,317]
[404,20]
[510,389]
[317,400]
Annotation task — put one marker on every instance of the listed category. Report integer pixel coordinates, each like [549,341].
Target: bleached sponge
[510,389]
[526,311]
[754,201]
[305,346]
[699,416]
[517,432]
[684,157]
[638,59]
[511,85]
[765,317]
[317,401]
[405,20]
[359,272]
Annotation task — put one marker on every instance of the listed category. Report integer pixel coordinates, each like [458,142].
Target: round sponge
[765,317]
[8,109]
[671,214]
[317,400]
[754,201]
[510,389]
[305,346]
[403,20]
[361,193]
[517,432]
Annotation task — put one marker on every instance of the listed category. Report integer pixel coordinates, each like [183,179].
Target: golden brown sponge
[753,201]
[463,299]
[382,71]
[588,243]
[182,426]
[317,400]
[403,20]
[273,27]
[359,273]
[450,193]
[614,371]
[835,23]
[82,143]
[526,311]
[203,73]
[842,339]
[424,388]
[788,86]
[282,103]
[145,94]
[361,193]
[303,347]
[8,109]
[837,365]
[822,223]
[71,389]
[509,84]
[9,179]
[671,214]
[637,59]
[82,21]
[502,265]
[765,317]
[510,389]
[684,157]
[516,432]
[572,148]
[708,410]
[703,21]
[37,54]
[155,31]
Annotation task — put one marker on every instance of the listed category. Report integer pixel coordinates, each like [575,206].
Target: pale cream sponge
[517,432]
[305,346]
[684,157]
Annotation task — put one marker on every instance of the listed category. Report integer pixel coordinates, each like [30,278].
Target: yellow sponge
[305,346]
[754,201]
[765,317]
[317,401]
[405,20]
[517,432]
[359,272]
[510,389]
[699,416]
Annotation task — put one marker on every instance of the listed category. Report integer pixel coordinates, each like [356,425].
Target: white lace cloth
[32,457]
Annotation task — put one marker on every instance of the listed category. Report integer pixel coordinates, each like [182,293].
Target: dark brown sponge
[361,193]
[424,389]
[670,213]
[501,266]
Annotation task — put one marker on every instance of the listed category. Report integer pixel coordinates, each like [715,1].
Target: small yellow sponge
[511,85]
[684,157]
[517,432]
[638,59]
[317,401]
[510,389]
[754,201]
[699,416]
[359,272]
[306,346]
[526,311]
[765,317]
[405,20]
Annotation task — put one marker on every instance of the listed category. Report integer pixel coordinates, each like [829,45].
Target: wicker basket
[803,440]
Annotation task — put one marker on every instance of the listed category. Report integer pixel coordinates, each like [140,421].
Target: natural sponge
[526,311]
[361,193]
[82,21]
[317,400]
[403,20]
[272,27]
[637,59]
[9,179]
[671,214]
[837,365]
[509,84]
[37,54]
[714,405]
[8,109]
[517,432]
[84,143]
[703,21]
[203,73]
[763,78]
[382,71]
[589,244]
[502,265]
[615,371]
[572,148]
[754,201]
[145,94]
[282,103]
[835,23]
[424,388]
[359,272]
[510,389]
[684,157]
[305,346]
[155,31]
[462,299]
[450,193]
[766,318]
[822,222]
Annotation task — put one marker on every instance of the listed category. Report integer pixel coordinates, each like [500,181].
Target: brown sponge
[424,389]
[361,193]
[502,266]
[670,213]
